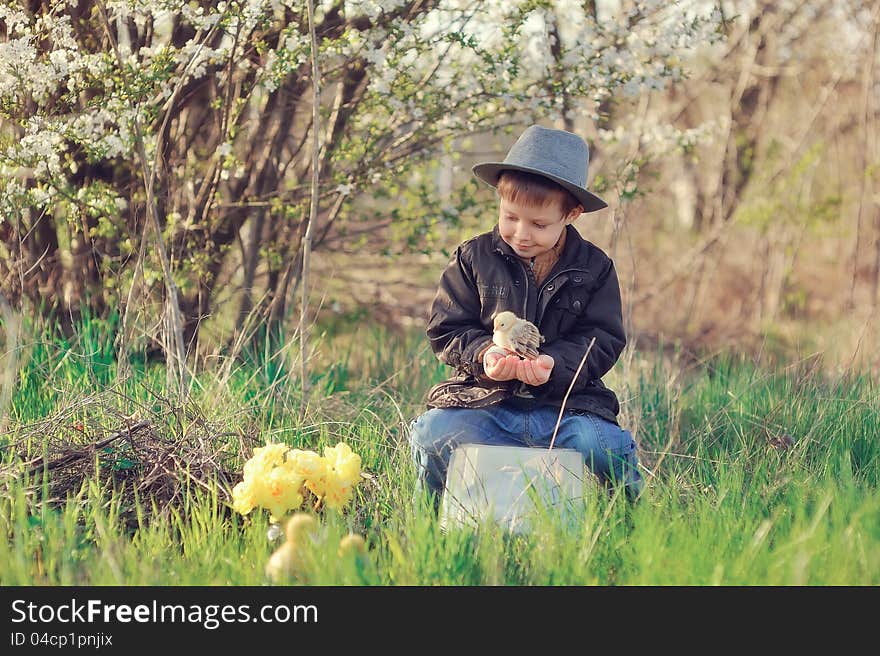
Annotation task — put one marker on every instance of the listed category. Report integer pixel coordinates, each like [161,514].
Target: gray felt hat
[556,154]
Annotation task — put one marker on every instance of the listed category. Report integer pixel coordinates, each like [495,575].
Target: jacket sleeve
[603,319]
[457,335]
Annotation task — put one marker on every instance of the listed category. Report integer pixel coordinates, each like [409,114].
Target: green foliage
[786,201]
[219,100]
[728,503]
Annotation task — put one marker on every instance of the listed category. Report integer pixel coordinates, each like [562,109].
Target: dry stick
[123,366]
[124,334]
[173,322]
[714,235]
[37,464]
[565,398]
[7,381]
[313,211]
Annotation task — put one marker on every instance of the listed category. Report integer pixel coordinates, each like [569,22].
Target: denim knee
[620,464]
[624,466]
[427,449]
[428,434]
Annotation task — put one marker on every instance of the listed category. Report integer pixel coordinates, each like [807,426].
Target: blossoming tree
[203,109]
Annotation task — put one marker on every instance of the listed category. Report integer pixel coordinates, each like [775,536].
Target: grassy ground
[755,476]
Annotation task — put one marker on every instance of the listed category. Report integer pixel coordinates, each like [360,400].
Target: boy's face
[531,231]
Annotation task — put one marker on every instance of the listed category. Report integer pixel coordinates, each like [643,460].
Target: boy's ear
[575,213]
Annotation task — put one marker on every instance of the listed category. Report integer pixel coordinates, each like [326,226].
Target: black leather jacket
[578,300]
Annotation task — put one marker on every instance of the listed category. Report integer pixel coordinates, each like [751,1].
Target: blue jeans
[609,450]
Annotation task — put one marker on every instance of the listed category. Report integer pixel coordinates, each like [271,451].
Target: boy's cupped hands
[501,365]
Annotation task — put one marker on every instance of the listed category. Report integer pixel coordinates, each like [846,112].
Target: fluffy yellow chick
[299,526]
[353,557]
[288,560]
[352,544]
[517,335]
[285,562]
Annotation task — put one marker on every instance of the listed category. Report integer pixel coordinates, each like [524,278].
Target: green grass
[723,505]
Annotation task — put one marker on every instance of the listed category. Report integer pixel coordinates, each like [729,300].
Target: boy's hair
[534,190]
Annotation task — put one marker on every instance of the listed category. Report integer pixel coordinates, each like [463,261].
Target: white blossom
[503,68]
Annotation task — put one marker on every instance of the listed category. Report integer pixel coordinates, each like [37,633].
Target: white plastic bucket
[509,485]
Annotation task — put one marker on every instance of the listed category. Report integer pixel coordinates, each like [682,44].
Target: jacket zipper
[525,288]
[522,386]
[541,288]
[521,389]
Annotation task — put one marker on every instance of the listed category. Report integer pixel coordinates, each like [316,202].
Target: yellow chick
[517,335]
[285,562]
[353,557]
[289,559]
[299,526]
[352,544]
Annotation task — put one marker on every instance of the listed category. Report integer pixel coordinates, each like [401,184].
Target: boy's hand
[500,365]
[535,372]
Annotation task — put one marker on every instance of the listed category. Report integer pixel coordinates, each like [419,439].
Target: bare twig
[36,465]
[177,373]
[686,262]
[136,456]
[7,382]
[570,387]
[313,210]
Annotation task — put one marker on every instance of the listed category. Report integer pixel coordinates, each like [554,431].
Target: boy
[535,264]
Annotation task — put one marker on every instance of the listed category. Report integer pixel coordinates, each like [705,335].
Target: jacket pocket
[492,291]
[568,310]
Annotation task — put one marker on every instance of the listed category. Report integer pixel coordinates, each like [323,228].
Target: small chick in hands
[517,335]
